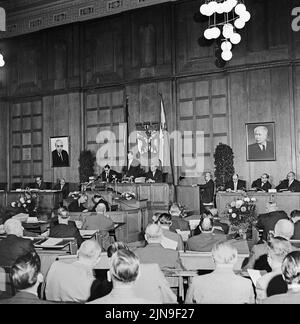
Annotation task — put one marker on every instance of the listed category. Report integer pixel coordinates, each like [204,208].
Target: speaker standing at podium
[207,189]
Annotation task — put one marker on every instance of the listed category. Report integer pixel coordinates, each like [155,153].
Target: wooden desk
[189,196]
[48,200]
[286,201]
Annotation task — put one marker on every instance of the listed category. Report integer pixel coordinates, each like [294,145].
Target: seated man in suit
[13,246]
[235,184]
[98,199]
[39,184]
[63,227]
[133,169]
[222,286]
[295,217]
[262,184]
[154,252]
[109,175]
[165,221]
[63,187]
[26,277]
[290,272]
[151,281]
[207,189]
[78,205]
[290,183]
[124,271]
[99,221]
[73,281]
[205,241]
[154,175]
[284,228]
[267,221]
[277,251]
[178,222]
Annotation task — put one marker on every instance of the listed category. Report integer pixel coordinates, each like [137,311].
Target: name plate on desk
[272,190]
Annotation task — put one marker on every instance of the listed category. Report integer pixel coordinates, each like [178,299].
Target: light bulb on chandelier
[226,55]
[235,38]
[226,46]
[239,23]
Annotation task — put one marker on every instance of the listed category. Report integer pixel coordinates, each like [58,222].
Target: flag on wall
[164,141]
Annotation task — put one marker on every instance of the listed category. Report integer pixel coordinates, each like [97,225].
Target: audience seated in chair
[295,217]
[222,285]
[258,255]
[13,246]
[62,186]
[99,221]
[205,241]
[72,282]
[26,277]
[267,221]
[154,252]
[151,282]
[78,205]
[178,223]
[62,227]
[291,275]
[277,251]
[124,271]
[98,199]
[165,221]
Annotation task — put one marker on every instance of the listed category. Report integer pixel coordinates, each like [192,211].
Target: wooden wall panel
[262,96]
[3,141]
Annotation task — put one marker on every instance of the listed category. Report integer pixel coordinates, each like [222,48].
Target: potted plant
[87,161]
[224,168]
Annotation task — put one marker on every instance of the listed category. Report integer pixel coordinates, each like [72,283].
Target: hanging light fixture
[2,62]
[234,16]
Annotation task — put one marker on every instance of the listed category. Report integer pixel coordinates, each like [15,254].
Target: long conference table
[287,201]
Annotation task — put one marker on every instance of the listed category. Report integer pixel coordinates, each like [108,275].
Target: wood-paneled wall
[155,50]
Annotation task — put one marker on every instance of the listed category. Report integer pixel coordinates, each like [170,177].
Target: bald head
[13,227]
[153,233]
[89,251]
[284,228]
[206,224]
[101,208]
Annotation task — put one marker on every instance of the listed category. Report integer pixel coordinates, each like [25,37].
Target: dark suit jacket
[207,191]
[158,176]
[295,186]
[74,207]
[57,161]
[257,184]
[62,230]
[134,169]
[110,176]
[179,223]
[267,221]
[296,235]
[65,189]
[13,247]
[24,298]
[255,152]
[241,185]
[41,187]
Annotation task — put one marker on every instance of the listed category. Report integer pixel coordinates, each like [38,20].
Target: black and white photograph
[261,144]
[60,151]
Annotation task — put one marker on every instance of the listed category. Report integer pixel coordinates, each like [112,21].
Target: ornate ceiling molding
[27,16]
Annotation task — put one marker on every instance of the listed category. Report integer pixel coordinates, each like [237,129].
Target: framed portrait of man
[60,151]
[261,141]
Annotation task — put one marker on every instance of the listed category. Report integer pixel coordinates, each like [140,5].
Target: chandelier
[225,18]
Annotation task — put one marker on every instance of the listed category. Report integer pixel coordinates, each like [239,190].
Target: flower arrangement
[27,203]
[241,214]
[128,195]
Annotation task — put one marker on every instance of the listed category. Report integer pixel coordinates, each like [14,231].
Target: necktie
[59,154]
[263,148]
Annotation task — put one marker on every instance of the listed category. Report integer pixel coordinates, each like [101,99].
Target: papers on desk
[169,244]
[32,220]
[184,234]
[50,242]
[194,223]
[88,233]
[254,275]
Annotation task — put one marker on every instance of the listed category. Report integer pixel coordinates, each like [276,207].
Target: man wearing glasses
[60,157]
[262,184]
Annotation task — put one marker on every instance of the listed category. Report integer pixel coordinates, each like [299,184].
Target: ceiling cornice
[27,16]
